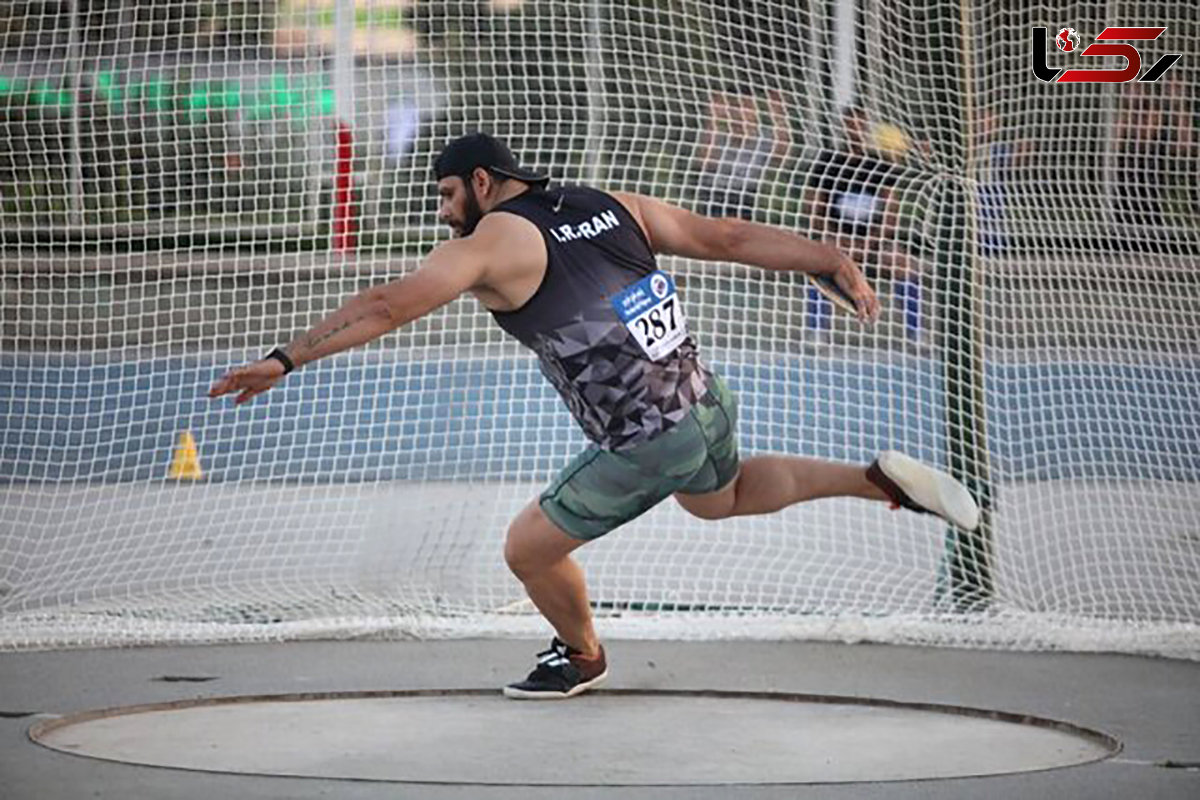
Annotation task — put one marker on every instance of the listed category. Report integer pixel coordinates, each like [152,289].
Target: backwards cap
[462,155]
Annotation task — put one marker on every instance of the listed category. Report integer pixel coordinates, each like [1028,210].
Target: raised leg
[770,483]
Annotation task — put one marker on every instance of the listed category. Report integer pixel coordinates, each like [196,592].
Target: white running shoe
[911,484]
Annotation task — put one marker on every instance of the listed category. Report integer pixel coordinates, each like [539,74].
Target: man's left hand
[851,281]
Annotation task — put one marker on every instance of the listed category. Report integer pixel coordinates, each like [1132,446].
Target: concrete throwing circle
[606,738]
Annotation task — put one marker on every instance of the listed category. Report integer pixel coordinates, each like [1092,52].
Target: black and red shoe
[561,672]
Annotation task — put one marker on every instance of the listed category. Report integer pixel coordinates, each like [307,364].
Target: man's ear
[481,181]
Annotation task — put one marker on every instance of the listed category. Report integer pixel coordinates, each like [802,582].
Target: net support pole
[75,67]
[594,67]
[965,579]
[343,222]
[318,152]
[845,16]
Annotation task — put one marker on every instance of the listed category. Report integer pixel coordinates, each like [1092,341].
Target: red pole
[343,197]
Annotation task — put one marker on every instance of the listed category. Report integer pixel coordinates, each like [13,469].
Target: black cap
[462,155]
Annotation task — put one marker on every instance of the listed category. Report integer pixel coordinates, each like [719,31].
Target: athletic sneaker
[914,486]
[560,673]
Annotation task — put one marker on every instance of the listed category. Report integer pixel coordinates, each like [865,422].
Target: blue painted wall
[79,418]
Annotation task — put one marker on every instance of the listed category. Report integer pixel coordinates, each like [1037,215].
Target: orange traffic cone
[185,466]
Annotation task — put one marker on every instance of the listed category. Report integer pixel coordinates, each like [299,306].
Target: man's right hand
[250,380]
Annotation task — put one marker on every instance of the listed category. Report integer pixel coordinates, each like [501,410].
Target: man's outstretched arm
[677,231]
[449,270]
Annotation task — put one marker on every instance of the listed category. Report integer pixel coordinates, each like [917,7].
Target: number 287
[653,326]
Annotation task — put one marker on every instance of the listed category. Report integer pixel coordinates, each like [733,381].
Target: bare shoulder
[501,227]
[674,230]
[515,255]
[508,241]
[633,204]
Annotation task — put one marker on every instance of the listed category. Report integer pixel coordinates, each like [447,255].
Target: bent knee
[522,560]
[534,544]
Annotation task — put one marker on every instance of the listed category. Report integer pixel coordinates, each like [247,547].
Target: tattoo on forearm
[314,341]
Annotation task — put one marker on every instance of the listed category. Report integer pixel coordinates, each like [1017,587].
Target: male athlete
[570,272]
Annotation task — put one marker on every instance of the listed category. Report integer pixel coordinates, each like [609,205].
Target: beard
[472,213]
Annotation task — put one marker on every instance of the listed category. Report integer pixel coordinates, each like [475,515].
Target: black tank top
[605,323]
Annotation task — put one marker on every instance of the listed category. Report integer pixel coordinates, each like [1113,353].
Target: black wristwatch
[282,358]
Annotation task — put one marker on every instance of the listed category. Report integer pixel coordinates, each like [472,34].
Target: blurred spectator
[1181,103]
[854,206]
[395,194]
[403,122]
[996,162]
[736,150]
[1150,131]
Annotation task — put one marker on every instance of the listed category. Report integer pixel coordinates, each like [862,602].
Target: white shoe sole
[932,489]
[521,694]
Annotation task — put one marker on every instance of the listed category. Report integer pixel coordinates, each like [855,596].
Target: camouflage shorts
[602,489]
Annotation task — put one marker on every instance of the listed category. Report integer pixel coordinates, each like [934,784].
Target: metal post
[966,580]
[75,65]
[317,153]
[597,102]
[343,228]
[845,51]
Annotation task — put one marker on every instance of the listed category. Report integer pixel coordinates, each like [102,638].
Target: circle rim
[1110,744]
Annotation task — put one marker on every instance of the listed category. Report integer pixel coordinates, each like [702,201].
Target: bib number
[650,310]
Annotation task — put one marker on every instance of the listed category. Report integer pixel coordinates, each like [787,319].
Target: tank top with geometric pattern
[605,323]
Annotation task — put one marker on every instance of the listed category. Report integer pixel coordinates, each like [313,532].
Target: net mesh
[185,185]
